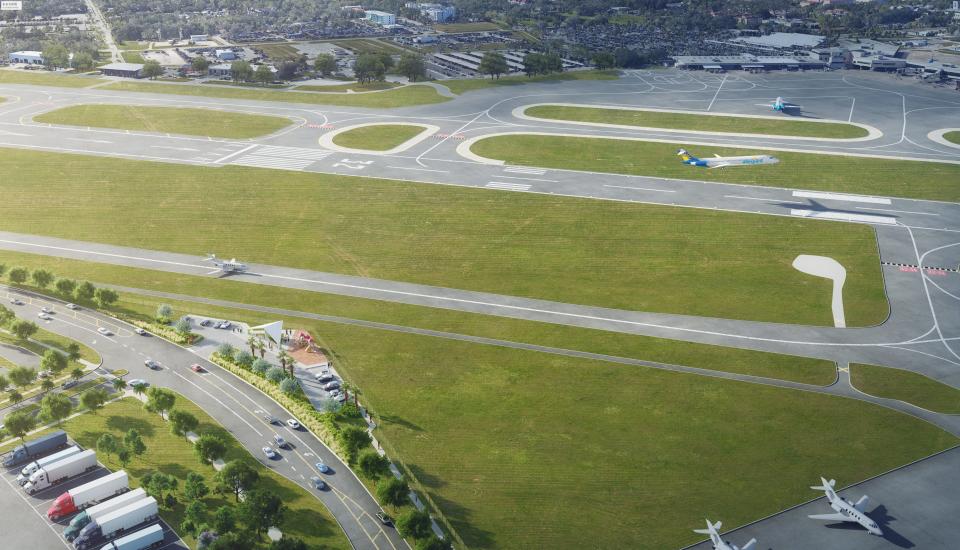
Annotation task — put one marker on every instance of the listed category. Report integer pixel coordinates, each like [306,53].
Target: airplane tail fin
[825,485]
[711,528]
[685,156]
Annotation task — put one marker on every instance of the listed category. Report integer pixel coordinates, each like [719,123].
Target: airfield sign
[11,5]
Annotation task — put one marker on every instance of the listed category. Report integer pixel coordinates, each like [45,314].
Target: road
[240,408]
[101,22]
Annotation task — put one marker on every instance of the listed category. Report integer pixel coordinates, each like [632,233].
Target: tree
[133,441]
[139,389]
[6,315]
[276,374]
[193,516]
[77,374]
[156,484]
[108,444]
[164,312]
[46,385]
[195,487]
[431,543]
[56,407]
[261,367]
[232,541]
[288,543]
[24,329]
[412,67]
[124,456]
[53,361]
[85,291]
[368,67]
[287,70]
[224,519]
[533,63]
[119,384]
[19,423]
[18,275]
[225,351]
[386,59]
[236,477]
[493,64]
[393,491]
[353,438]
[209,448]
[93,399]
[325,64]
[65,286]
[73,351]
[604,60]
[4,383]
[414,523]
[182,422]
[42,278]
[152,69]
[261,510]
[290,386]
[105,297]
[82,61]
[55,55]
[15,397]
[160,400]
[241,71]
[22,376]
[263,74]
[373,465]
[182,326]
[200,64]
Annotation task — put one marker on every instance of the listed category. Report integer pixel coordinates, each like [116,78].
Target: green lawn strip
[132,45]
[952,137]
[131,56]
[379,137]
[368,45]
[887,177]
[42,78]
[401,97]
[698,122]
[459,86]
[351,87]
[912,387]
[479,26]
[278,52]
[614,254]
[258,85]
[45,337]
[306,518]
[811,371]
[174,120]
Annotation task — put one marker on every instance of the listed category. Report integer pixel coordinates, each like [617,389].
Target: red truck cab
[63,506]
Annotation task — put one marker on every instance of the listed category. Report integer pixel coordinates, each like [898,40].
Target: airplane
[780,105]
[719,162]
[226,267]
[847,511]
[718,543]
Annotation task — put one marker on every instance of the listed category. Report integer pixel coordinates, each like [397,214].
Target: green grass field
[306,519]
[952,137]
[401,97]
[480,26]
[460,86]
[48,338]
[379,137]
[904,385]
[684,121]
[133,56]
[278,52]
[622,255]
[368,45]
[259,85]
[810,371]
[173,120]
[44,78]
[349,87]
[893,178]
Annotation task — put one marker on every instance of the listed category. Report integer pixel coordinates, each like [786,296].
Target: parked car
[323,468]
[151,364]
[46,310]
[137,382]
[325,376]
[44,316]
[139,331]
[73,306]
[225,324]
[104,331]
[339,397]
[205,323]
[16,302]
[292,422]
[280,441]
[270,453]
[68,384]
[318,483]
[384,519]
[331,385]
[196,367]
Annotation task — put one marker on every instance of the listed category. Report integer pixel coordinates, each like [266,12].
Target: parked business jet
[846,510]
[713,530]
[719,162]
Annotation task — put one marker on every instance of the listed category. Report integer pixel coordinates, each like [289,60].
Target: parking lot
[24,522]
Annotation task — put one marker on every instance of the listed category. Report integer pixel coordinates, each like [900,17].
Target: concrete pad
[828,268]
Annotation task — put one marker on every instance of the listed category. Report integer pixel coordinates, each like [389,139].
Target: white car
[45,309]
[137,382]
[44,316]
[294,425]
[271,454]
[16,302]
[139,331]
[104,331]
[73,306]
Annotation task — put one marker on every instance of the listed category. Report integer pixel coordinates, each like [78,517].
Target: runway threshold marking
[525,170]
[641,188]
[843,216]
[840,197]
[507,186]
[528,179]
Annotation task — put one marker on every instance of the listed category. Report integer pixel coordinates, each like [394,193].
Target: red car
[196,367]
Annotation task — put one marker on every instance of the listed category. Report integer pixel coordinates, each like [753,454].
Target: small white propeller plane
[780,105]
[846,510]
[713,530]
[226,266]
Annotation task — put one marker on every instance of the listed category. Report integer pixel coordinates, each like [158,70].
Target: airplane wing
[721,165]
[750,545]
[716,156]
[830,517]
[862,504]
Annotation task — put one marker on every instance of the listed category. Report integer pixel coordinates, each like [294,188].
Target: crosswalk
[281,158]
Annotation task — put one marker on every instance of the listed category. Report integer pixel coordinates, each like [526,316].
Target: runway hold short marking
[525,170]
[505,186]
[281,158]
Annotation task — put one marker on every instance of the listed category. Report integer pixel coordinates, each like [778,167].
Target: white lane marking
[171,148]
[525,170]
[418,169]
[712,101]
[528,179]
[272,162]
[898,211]
[741,197]
[235,153]
[840,197]
[641,188]
[843,216]
[85,140]
[506,186]
[242,419]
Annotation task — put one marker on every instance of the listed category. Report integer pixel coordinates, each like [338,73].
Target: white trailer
[32,467]
[88,494]
[81,520]
[61,471]
[151,537]
[117,523]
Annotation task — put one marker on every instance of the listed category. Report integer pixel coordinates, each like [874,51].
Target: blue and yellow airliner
[719,162]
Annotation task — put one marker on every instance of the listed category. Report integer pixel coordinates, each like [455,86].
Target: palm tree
[119,384]
[140,389]
[252,342]
[261,347]
[77,373]
[284,357]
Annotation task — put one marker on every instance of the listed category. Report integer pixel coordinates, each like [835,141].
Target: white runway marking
[528,179]
[839,197]
[191,149]
[271,162]
[507,186]
[235,153]
[741,197]
[843,216]
[712,101]
[85,140]
[525,170]
[293,152]
[418,169]
[898,211]
[641,188]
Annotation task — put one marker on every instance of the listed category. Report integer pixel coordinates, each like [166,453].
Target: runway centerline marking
[840,197]
[641,188]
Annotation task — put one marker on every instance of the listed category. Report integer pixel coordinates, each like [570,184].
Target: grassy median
[172,120]
[698,122]
[44,78]
[912,387]
[378,137]
[460,86]
[952,137]
[621,255]
[892,178]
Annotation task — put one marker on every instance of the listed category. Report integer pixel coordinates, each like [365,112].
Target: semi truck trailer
[32,467]
[60,471]
[81,520]
[116,524]
[31,450]
[88,494]
[151,537]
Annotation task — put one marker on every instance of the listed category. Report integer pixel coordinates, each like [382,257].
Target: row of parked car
[330,384]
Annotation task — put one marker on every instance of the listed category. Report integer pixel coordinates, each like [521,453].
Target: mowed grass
[698,122]
[306,518]
[460,86]
[133,56]
[378,137]
[479,26]
[758,363]
[621,255]
[173,120]
[912,387]
[952,137]
[892,178]
[349,87]
[43,78]
[368,45]
[278,52]
[401,97]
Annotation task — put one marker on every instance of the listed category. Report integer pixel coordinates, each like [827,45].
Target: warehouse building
[127,70]
[27,57]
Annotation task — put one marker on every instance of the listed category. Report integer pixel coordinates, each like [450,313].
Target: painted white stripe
[235,153]
[844,216]
[527,179]
[293,152]
[270,162]
[898,211]
[839,197]
[507,186]
[522,170]
[418,169]
[641,188]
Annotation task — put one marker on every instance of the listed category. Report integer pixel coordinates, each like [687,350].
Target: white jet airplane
[719,162]
[846,510]
[713,530]
[780,105]
[226,267]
